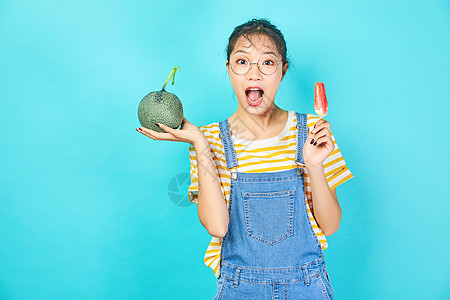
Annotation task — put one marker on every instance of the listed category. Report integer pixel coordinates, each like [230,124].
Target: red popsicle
[320,100]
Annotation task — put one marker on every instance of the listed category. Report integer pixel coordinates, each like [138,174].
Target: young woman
[264,180]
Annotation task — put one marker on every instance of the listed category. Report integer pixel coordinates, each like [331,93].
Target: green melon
[161,107]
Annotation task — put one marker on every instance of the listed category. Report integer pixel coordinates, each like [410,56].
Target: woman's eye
[241,61]
[268,62]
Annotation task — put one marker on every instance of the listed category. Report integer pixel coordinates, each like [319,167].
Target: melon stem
[171,75]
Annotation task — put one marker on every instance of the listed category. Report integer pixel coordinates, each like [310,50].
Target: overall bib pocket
[269,216]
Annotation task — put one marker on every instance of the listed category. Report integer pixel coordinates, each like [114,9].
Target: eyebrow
[270,52]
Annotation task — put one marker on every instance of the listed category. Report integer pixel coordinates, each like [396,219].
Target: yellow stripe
[262,149]
[213,251]
[220,166]
[288,137]
[336,174]
[210,263]
[212,125]
[224,168]
[208,260]
[269,155]
[335,151]
[216,268]
[271,169]
[216,130]
[342,181]
[329,175]
[218,145]
[213,140]
[272,161]
[340,158]
[209,257]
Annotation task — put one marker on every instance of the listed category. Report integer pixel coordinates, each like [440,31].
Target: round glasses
[267,64]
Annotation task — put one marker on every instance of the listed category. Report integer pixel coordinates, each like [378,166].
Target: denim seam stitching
[324,289]
[243,278]
[268,194]
[223,238]
[285,178]
[222,289]
[275,290]
[278,269]
[329,283]
[309,223]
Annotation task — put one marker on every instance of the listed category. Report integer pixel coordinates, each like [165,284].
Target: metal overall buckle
[300,167]
[234,173]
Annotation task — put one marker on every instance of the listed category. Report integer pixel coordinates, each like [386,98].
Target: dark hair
[258,26]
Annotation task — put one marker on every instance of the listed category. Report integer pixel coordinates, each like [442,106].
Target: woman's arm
[211,206]
[317,148]
[327,210]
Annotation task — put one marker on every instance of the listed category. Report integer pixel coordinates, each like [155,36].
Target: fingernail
[315,125]
[157,125]
[312,141]
[139,129]
[315,143]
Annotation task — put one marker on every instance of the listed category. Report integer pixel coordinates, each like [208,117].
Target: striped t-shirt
[268,155]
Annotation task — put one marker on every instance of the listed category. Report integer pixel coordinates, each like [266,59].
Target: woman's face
[254,90]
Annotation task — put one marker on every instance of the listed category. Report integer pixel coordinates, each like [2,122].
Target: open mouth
[254,95]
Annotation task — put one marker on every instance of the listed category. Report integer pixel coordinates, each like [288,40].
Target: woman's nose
[254,73]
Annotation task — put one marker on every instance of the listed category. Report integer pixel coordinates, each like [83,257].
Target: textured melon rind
[160,107]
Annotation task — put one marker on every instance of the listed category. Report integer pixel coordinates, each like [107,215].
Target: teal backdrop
[92,209]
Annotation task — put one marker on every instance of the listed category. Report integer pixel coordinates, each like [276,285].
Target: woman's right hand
[188,133]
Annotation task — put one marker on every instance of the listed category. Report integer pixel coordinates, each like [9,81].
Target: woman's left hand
[315,154]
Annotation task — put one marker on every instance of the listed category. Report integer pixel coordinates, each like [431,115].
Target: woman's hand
[188,133]
[315,154]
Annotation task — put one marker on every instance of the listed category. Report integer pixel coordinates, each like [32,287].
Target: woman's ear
[285,68]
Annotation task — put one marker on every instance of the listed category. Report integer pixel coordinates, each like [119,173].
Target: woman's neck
[258,127]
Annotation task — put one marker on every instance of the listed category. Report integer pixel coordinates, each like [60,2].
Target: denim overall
[270,250]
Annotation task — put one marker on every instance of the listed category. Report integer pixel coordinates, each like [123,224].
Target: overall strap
[225,136]
[302,134]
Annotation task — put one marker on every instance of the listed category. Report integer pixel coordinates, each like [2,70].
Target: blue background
[85,211]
